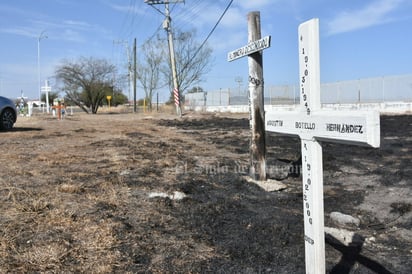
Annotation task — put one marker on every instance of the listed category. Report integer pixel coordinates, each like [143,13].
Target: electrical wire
[161,24]
[155,33]
[129,20]
[158,10]
[194,8]
[190,14]
[210,34]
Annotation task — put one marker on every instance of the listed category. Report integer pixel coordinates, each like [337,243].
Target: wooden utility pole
[134,77]
[256,97]
[167,25]
[254,50]
[176,92]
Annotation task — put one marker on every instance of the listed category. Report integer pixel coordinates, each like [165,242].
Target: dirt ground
[143,193]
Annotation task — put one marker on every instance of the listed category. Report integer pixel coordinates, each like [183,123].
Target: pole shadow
[22,129]
[352,254]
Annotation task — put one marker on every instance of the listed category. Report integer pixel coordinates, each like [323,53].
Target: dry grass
[48,231]
[74,198]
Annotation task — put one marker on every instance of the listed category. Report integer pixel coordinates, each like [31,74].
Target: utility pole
[41,36]
[134,76]
[167,25]
[239,80]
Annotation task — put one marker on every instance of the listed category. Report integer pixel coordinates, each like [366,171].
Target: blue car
[8,113]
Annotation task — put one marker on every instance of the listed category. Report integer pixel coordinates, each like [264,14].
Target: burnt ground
[98,194]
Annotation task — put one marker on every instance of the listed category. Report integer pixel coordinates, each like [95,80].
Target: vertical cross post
[312,169]
[313,125]
[256,97]
[46,89]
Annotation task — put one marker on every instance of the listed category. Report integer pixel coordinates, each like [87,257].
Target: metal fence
[368,90]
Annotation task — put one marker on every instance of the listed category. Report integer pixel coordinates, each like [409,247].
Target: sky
[358,39]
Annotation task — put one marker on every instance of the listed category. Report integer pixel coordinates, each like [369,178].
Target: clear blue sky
[358,39]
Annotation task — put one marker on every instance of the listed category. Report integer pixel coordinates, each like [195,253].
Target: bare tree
[195,89]
[87,81]
[193,60]
[149,71]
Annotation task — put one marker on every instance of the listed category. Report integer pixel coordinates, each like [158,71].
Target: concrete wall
[384,108]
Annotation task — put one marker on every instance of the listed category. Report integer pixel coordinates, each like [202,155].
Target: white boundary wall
[384,108]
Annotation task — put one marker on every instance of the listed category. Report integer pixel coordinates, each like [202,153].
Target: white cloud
[254,4]
[77,24]
[131,9]
[66,30]
[376,13]
[228,42]
[72,36]
[21,31]
[205,14]
[7,9]
[78,31]
[234,18]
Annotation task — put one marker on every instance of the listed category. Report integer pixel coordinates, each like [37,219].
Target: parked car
[8,113]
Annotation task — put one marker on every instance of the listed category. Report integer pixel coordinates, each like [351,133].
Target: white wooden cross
[312,125]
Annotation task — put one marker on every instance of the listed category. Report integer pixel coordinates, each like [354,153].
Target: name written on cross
[333,127]
[346,127]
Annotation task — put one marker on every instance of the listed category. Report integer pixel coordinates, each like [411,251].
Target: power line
[161,24]
[210,34]
[129,19]
[191,14]
[214,28]
[136,17]
[158,10]
[155,33]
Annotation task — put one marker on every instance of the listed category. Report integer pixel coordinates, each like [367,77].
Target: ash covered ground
[157,194]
